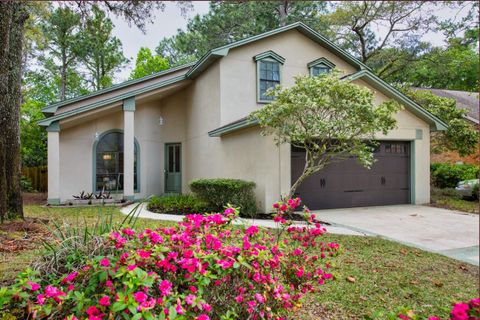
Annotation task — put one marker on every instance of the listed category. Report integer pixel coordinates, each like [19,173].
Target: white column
[53,145]
[128,147]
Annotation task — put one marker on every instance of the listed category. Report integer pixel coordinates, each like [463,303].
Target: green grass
[450,199]
[387,275]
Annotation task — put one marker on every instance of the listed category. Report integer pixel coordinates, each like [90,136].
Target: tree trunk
[63,76]
[11,109]
[5,22]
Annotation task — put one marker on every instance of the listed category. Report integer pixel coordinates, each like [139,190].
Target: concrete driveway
[451,233]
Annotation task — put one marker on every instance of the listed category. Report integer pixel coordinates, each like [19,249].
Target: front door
[173,165]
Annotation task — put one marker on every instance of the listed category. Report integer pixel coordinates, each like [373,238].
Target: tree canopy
[146,64]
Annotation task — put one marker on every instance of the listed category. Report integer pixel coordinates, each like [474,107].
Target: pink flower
[203,317]
[276,205]
[251,230]
[104,301]
[206,307]
[143,254]
[239,298]
[260,298]
[131,267]
[179,309]
[165,287]
[192,289]
[140,297]
[33,286]
[190,298]
[105,262]
[93,311]
[41,299]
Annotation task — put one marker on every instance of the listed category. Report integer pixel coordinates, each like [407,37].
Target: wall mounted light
[161,121]
[96,136]
[107,156]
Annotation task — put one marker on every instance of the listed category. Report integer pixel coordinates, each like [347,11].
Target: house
[468,101]
[155,134]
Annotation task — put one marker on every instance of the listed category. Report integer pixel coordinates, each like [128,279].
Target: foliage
[451,199]
[220,25]
[83,196]
[26,184]
[194,270]
[332,119]
[33,137]
[102,52]
[218,193]
[177,204]
[147,64]
[445,175]
[460,135]
[460,311]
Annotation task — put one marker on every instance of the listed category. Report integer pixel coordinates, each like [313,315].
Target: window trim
[321,61]
[94,162]
[268,56]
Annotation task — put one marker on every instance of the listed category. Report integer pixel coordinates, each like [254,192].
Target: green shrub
[446,175]
[177,204]
[217,193]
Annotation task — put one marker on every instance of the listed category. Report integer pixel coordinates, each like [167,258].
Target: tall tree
[147,64]
[229,21]
[102,52]
[12,19]
[61,45]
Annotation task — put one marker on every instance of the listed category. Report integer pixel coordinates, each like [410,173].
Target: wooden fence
[38,176]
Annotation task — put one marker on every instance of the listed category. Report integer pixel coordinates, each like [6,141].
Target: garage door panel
[348,184]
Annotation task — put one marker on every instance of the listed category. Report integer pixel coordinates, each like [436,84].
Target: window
[109,163]
[268,73]
[320,66]
[269,77]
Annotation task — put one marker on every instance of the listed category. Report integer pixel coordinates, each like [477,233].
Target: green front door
[173,166]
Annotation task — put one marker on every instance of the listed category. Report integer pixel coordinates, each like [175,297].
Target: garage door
[348,184]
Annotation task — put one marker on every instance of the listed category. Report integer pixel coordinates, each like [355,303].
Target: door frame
[165,166]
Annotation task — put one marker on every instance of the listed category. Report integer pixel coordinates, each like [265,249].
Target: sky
[167,23]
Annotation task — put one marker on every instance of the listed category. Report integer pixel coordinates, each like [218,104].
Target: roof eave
[229,128]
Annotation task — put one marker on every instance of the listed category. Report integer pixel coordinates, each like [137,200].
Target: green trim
[418,134]
[88,107]
[413,157]
[53,127]
[258,76]
[388,90]
[322,60]
[231,127]
[53,201]
[270,54]
[165,166]
[94,162]
[129,104]
[53,107]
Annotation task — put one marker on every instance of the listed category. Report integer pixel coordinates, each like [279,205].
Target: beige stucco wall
[223,93]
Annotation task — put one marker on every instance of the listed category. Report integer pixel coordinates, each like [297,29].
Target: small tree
[332,119]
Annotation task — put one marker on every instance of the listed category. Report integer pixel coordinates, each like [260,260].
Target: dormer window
[268,74]
[320,66]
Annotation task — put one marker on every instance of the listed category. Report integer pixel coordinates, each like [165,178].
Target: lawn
[372,276]
[448,198]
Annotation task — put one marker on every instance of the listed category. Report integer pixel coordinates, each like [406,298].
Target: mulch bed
[22,234]
[34,197]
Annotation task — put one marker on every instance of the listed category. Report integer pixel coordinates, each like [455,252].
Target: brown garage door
[348,184]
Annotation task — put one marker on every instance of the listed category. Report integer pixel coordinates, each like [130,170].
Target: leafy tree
[102,53]
[460,135]
[221,25]
[62,46]
[147,64]
[330,118]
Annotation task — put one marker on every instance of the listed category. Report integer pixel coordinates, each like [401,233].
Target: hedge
[445,175]
[218,193]
[177,204]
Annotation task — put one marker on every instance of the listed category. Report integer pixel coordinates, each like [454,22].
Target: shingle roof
[465,100]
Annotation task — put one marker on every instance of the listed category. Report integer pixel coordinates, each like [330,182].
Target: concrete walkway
[143,212]
[451,233]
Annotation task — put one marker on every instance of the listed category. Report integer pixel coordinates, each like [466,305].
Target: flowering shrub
[460,311]
[200,269]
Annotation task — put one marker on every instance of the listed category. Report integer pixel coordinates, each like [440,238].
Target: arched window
[109,162]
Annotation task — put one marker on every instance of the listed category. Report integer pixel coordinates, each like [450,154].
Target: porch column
[128,147]
[53,148]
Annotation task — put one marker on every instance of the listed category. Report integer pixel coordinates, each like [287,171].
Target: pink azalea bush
[460,311]
[201,269]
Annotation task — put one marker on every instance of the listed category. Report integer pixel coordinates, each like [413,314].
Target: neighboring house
[468,101]
[155,134]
